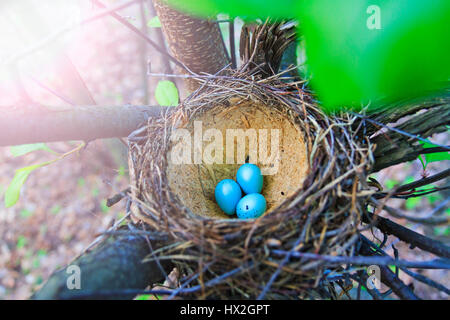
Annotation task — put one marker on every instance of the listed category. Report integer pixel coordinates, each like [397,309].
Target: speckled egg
[251,206]
[227,194]
[250,178]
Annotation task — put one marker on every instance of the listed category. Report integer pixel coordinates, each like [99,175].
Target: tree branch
[117,263]
[73,123]
[197,43]
[393,148]
[415,239]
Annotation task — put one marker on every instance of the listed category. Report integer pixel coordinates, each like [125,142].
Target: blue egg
[228,193]
[251,206]
[250,178]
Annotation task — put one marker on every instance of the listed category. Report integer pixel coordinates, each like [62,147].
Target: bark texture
[197,43]
[73,123]
[107,272]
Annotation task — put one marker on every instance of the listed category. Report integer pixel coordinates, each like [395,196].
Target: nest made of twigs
[315,199]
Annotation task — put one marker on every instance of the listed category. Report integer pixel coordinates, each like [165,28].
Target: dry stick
[364,260]
[429,220]
[422,182]
[74,123]
[404,234]
[116,198]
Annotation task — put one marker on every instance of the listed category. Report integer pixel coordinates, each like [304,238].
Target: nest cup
[314,184]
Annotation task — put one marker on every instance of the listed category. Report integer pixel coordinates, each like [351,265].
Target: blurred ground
[62,206]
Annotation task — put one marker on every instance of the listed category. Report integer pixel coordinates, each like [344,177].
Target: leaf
[13,192]
[25,213]
[434,157]
[412,203]
[166,93]
[154,22]
[21,242]
[352,60]
[423,162]
[20,150]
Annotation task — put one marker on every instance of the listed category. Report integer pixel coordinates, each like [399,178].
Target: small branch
[74,123]
[429,220]
[404,234]
[422,182]
[412,194]
[116,198]
[366,260]
[401,143]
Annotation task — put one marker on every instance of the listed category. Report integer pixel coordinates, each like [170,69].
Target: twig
[404,133]
[429,220]
[116,198]
[366,260]
[422,182]
[415,239]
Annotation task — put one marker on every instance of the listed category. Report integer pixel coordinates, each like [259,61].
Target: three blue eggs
[228,193]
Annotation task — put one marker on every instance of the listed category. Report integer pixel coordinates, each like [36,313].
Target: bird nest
[314,183]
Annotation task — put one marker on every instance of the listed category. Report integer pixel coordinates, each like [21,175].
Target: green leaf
[81,182]
[434,157]
[391,183]
[154,22]
[21,242]
[144,297]
[353,60]
[95,192]
[433,197]
[13,192]
[20,150]
[166,93]
[250,9]
[103,206]
[442,231]
[423,162]
[55,209]
[376,66]
[121,171]
[413,202]
[26,213]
